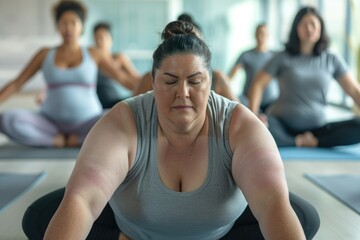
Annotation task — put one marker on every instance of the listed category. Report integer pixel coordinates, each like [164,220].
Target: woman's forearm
[257,88]
[8,90]
[255,97]
[282,223]
[72,220]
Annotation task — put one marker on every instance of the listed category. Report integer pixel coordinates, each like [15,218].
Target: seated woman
[71,106]
[304,71]
[178,162]
[109,91]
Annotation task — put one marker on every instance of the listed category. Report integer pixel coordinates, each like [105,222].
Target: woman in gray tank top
[71,106]
[178,162]
[304,71]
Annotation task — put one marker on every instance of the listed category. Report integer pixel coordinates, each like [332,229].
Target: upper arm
[32,67]
[222,86]
[106,64]
[105,157]
[262,78]
[126,64]
[256,166]
[237,66]
[257,87]
[144,85]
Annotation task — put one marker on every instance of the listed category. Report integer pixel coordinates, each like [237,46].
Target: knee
[357,121]
[31,224]
[38,215]
[12,122]
[307,214]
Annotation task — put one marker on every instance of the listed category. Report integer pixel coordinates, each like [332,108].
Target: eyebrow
[190,76]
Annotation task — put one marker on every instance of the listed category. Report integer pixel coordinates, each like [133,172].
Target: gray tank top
[145,208]
[71,96]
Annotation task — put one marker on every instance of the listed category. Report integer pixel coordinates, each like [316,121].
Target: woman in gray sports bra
[71,106]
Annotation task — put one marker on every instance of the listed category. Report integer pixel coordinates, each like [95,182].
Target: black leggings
[38,215]
[330,135]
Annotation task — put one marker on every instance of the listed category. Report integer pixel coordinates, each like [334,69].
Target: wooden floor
[337,220]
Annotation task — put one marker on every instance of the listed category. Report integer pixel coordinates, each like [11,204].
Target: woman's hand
[123,237]
[264,119]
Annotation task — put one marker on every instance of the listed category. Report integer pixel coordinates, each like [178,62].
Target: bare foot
[123,237]
[306,139]
[59,141]
[73,141]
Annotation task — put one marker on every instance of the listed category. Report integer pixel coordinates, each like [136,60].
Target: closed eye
[194,82]
[171,82]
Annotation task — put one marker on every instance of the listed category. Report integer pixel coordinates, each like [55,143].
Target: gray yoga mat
[344,187]
[13,151]
[13,185]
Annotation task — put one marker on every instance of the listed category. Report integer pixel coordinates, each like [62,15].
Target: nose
[183,90]
[310,27]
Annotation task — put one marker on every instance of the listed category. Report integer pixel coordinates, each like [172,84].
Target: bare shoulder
[242,116]
[122,118]
[121,58]
[44,50]
[222,79]
[219,74]
[96,54]
[244,124]
[42,53]
[119,55]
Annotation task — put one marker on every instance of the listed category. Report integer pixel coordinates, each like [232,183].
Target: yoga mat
[344,187]
[350,152]
[13,151]
[13,185]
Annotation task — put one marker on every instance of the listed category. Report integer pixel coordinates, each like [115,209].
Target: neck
[261,48]
[182,142]
[70,46]
[307,48]
[104,49]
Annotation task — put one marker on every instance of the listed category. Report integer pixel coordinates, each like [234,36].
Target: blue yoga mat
[344,187]
[13,185]
[350,152]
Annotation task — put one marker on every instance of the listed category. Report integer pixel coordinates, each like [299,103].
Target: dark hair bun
[178,27]
[185,17]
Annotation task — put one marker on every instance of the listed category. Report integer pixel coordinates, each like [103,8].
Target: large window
[136,25]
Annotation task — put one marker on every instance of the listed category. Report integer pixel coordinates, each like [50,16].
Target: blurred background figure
[304,71]
[71,106]
[109,91]
[252,61]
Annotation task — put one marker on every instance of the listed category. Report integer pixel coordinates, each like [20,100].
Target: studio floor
[337,220]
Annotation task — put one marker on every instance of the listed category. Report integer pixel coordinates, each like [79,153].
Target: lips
[68,35]
[182,107]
